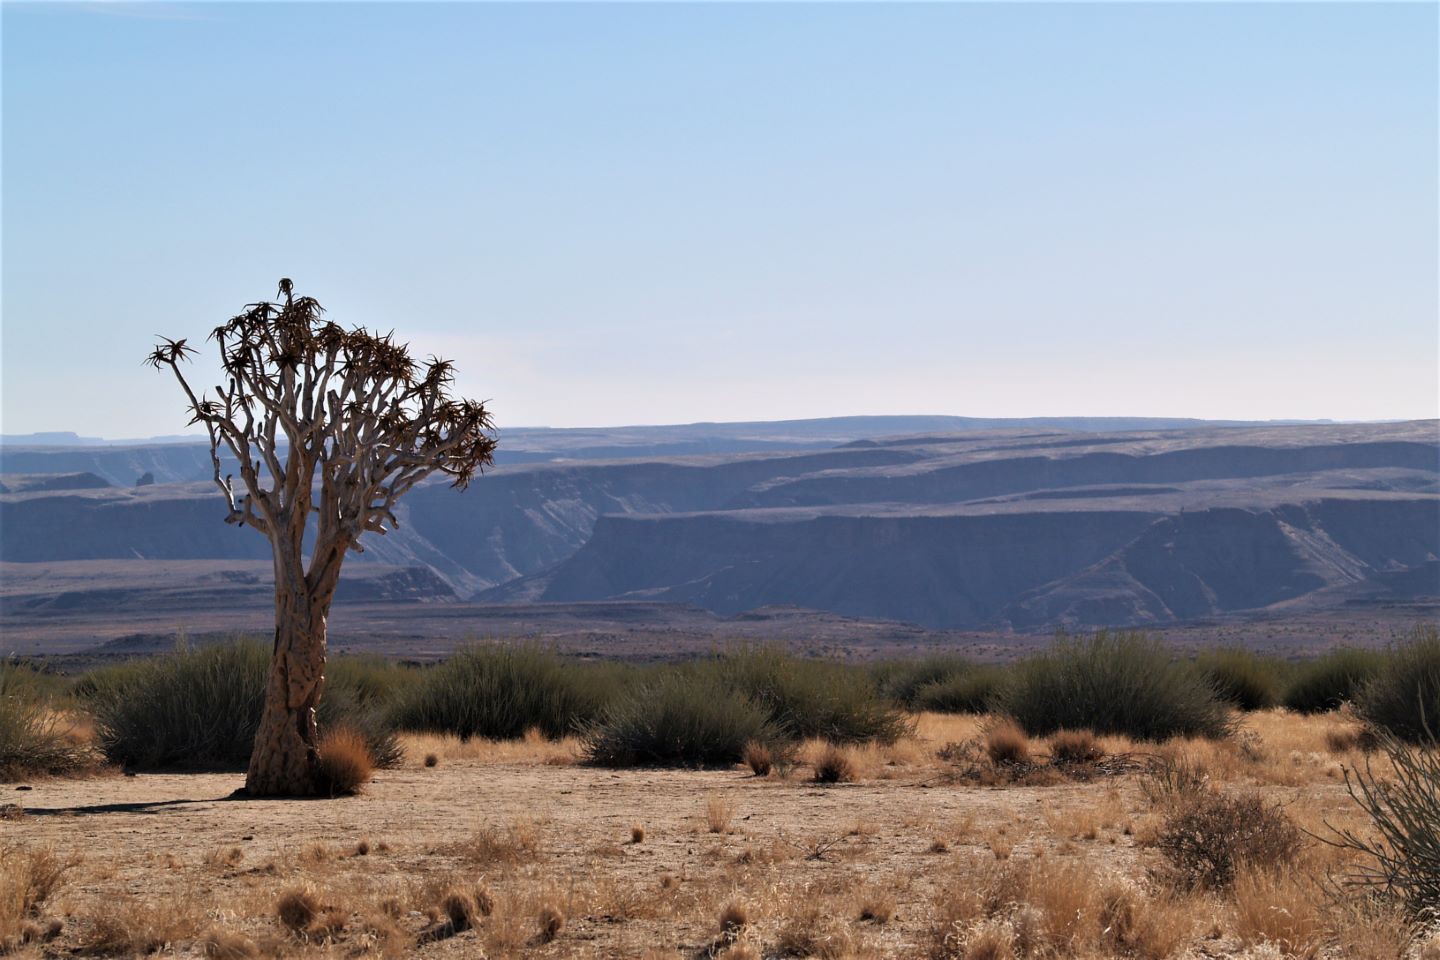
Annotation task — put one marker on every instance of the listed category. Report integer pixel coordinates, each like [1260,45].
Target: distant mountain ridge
[991,528]
[177,459]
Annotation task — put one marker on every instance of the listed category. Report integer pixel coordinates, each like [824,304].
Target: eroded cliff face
[1015,569]
[1017,528]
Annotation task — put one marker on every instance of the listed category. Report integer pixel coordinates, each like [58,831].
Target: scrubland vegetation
[1099,799]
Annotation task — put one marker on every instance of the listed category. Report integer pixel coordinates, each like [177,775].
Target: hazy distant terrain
[945,523]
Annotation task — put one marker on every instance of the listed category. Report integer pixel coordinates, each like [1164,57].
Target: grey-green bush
[972,692]
[1331,680]
[199,709]
[1403,697]
[31,742]
[1241,678]
[809,698]
[902,680]
[501,691]
[1118,683]
[680,718]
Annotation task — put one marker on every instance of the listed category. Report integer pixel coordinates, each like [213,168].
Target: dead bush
[227,945]
[835,765]
[877,906]
[551,922]
[345,764]
[1207,838]
[1007,744]
[460,909]
[758,758]
[296,908]
[1075,747]
[733,919]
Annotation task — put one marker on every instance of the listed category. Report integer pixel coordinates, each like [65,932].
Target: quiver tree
[327,423]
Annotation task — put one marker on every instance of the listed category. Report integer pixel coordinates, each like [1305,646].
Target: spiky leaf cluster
[307,403]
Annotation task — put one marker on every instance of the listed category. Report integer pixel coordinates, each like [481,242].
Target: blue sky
[661,213]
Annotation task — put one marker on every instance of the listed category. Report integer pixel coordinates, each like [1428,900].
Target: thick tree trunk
[282,762]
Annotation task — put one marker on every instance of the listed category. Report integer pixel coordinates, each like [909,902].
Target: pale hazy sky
[662,213]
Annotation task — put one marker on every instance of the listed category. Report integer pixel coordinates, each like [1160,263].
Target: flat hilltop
[926,537]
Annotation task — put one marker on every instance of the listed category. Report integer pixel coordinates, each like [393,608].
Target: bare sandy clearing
[847,870]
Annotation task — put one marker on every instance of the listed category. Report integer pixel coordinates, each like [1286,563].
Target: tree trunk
[283,759]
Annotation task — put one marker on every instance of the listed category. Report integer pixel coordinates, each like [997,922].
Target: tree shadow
[142,806]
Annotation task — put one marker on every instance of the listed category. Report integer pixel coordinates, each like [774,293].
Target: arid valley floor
[923,855]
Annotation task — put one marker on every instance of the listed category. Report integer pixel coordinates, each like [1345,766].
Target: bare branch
[349,411]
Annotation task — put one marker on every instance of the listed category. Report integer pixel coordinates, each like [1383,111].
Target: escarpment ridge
[1019,528]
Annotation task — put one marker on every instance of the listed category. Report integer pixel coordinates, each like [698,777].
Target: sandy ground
[539,830]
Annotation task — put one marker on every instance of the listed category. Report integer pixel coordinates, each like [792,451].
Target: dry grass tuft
[637,833]
[345,764]
[328,925]
[552,921]
[28,878]
[758,758]
[1075,747]
[517,843]
[877,906]
[1130,924]
[1006,744]
[128,926]
[297,908]
[1279,907]
[227,945]
[835,765]
[1349,739]
[460,909]
[222,858]
[718,814]
[733,920]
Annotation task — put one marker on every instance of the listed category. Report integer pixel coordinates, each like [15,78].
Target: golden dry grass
[515,850]
[345,763]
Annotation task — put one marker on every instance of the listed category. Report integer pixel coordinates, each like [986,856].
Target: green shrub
[1403,697]
[501,691]
[374,681]
[1241,678]
[109,677]
[1118,683]
[901,680]
[31,741]
[810,698]
[200,708]
[681,717]
[1337,677]
[971,692]
[941,684]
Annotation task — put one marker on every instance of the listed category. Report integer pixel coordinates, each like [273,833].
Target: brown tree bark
[283,759]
